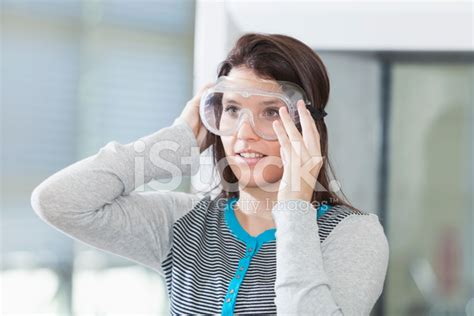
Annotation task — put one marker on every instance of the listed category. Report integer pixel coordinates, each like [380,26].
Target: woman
[263,245]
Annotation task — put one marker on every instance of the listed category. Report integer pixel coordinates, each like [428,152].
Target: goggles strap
[316,114]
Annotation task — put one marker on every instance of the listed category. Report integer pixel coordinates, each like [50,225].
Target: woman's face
[252,172]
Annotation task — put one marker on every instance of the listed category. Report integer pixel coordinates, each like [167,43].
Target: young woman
[276,239]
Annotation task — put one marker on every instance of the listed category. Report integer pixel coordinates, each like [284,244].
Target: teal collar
[239,232]
[266,236]
[252,245]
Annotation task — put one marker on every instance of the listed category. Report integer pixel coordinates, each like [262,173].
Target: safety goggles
[231,101]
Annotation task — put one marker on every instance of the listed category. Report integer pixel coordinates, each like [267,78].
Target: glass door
[430,185]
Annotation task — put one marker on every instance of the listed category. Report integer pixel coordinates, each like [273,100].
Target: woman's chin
[264,176]
[257,181]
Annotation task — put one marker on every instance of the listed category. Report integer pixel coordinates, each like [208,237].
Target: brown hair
[281,57]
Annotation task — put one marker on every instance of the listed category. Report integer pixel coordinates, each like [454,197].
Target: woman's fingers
[311,151]
[289,125]
[197,97]
[304,146]
[295,137]
[282,136]
[310,132]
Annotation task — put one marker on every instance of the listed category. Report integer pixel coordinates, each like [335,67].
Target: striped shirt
[326,261]
[234,271]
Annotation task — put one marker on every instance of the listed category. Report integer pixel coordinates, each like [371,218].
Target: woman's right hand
[191,115]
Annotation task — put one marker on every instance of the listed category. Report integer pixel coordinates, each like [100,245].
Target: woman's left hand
[301,155]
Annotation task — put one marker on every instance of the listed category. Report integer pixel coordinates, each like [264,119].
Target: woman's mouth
[249,158]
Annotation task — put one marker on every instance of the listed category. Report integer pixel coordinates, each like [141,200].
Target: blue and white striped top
[214,256]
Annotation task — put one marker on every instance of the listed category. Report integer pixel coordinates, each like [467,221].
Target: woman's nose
[246,131]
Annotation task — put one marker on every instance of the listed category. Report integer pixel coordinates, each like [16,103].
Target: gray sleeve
[93,200]
[343,277]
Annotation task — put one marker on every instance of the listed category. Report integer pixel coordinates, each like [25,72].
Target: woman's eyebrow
[268,102]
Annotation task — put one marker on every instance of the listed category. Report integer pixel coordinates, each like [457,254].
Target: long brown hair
[281,57]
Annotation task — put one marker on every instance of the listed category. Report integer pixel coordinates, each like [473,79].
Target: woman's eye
[272,113]
[231,109]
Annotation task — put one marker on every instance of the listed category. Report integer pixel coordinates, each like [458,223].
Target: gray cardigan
[94,200]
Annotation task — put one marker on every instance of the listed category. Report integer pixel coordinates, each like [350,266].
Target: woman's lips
[248,161]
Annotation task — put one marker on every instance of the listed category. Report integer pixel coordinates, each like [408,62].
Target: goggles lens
[227,105]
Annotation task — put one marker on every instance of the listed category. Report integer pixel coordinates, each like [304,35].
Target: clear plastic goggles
[231,101]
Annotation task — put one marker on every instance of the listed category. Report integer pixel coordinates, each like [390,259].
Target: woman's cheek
[268,171]
[271,170]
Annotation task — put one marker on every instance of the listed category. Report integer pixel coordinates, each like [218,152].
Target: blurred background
[76,74]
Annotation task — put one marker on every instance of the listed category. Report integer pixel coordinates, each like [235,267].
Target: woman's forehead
[243,72]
